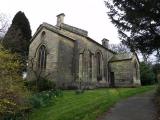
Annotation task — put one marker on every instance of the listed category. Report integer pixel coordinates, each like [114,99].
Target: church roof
[51,28]
[69,28]
[122,56]
[74,29]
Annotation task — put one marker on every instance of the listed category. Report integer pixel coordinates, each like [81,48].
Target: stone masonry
[70,57]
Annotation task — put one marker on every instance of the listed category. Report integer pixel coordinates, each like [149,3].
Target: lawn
[86,106]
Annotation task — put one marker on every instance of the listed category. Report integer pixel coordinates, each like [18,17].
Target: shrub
[72,87]
[79,91]
[13,93]
[147,75]
[42,84]
[158,90]
[42,99]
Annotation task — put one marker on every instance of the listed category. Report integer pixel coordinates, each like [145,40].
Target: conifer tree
[17,39]
[138,23]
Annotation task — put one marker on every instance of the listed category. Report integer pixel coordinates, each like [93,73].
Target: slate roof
[121,56]
[69,28]
[74,29]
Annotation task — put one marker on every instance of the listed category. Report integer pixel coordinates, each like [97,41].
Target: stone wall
[123,75]
[85,43]
[125,72]
[47,41]
[136,71]
[65,62]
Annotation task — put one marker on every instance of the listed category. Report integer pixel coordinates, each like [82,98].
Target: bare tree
[119,48]
[40,75]
[4,24]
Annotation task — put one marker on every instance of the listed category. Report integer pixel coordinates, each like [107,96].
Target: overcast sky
[89,15]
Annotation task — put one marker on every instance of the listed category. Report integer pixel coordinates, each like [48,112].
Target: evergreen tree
[147,75]
[138,23]
[17,39]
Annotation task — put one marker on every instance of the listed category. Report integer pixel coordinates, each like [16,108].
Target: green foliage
[147,74]
[44,98]
[41,84]
[158,91]
[22,22]
[79,91]
[13,94]
[17,39]
[137,22]
[156,68]
[86,106]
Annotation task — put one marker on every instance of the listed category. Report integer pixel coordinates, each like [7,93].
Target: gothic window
[42,55]
[99,65]
[87,65]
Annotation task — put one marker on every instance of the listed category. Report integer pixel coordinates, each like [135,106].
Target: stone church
[69,57]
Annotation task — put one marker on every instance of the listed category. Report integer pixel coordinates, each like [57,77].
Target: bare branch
[4,24]
[119,48]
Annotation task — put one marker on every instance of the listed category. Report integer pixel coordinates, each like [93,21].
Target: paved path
[139,107]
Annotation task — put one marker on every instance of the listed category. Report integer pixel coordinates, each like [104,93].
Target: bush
[13,93]
[158,90]
[42,99]
[147,74]
[72,87]
[79,91]
[42,84]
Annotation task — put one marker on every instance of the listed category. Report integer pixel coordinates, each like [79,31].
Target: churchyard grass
[86,106]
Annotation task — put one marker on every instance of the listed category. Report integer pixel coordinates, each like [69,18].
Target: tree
[119,48]
[17,39]
[156,68]
[138,23]
[147,74]
[3,24]
[39,80]
[13,93]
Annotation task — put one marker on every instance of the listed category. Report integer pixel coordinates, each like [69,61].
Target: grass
[86,106]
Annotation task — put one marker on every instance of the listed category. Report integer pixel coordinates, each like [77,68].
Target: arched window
[87,65]
[99,65]
[42,55]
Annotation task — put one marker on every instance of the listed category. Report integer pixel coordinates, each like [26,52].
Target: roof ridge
[74,29]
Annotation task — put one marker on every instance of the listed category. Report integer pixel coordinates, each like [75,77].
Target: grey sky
[89,15]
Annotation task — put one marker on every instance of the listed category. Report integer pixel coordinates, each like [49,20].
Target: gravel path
[139,107]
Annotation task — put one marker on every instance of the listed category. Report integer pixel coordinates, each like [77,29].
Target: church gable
[124,70]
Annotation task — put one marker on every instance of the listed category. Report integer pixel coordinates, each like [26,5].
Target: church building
[69,57]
